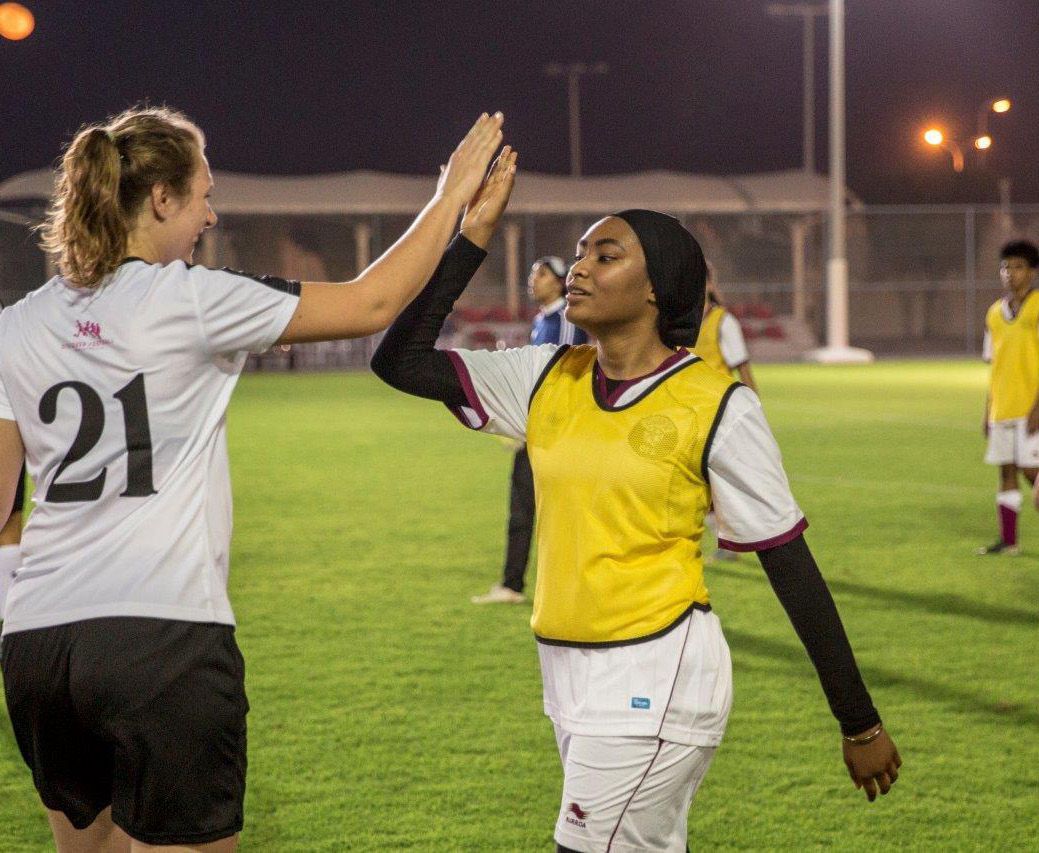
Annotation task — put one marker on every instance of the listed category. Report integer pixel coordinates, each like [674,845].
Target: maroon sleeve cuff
[472,416]
[765,544]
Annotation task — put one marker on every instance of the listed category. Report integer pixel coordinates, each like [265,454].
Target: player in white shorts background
[1011,421]
[123,680]
[720,343]
[629,441]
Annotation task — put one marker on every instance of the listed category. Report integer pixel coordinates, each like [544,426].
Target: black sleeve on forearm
[802,591]
[407,359]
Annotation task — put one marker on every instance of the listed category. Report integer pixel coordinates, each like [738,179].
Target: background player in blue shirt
[547,286]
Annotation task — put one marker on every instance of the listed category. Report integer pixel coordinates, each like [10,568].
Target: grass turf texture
[391,714]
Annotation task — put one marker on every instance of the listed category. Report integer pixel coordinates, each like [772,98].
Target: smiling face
[608,287]
[191,215]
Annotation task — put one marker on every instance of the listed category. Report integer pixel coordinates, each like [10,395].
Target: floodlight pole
[837,349]
[808,12]
[573,73]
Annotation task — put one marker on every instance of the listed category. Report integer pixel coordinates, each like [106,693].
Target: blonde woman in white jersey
[123,680]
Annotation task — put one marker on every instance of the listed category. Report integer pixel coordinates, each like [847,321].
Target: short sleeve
[986,347]
[731,342]
[753,503]
[498,385]
[239,312]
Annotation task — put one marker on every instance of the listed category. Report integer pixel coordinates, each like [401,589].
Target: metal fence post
[970,290]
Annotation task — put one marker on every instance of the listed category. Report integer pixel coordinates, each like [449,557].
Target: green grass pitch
[388,713]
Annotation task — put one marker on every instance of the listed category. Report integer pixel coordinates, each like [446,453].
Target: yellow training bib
[621,495]
[1014,383]
[708,342]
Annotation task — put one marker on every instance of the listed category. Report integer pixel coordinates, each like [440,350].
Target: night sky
[698,85]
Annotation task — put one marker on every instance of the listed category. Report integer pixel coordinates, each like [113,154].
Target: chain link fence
[921,278]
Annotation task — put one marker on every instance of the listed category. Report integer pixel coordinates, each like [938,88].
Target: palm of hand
[486,207]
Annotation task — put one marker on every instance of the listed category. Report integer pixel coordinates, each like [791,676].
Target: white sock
[1011,499]
[10,561]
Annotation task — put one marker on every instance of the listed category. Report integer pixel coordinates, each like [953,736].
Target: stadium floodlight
[16,22]
[937,139]
[992,105]
[573,73]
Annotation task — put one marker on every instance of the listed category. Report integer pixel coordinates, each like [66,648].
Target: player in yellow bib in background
[721,345]
[1012,407]
[720,342]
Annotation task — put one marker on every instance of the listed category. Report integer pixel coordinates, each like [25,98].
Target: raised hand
[464,173]
[484,210]
[873,765]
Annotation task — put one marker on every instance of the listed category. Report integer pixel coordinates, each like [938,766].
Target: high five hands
[872,761]
[484,210]
[460,179]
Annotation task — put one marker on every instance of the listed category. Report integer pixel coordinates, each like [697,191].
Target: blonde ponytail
[106,174]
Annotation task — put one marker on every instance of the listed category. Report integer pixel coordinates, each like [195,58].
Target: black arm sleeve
[406,359]
[802,591]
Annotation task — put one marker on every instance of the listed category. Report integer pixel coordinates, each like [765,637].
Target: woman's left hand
[484,211]
[873,766]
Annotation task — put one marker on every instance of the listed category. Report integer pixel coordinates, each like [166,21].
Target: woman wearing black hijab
[630,441]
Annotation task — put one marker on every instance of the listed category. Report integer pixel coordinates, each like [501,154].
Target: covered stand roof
[365,193]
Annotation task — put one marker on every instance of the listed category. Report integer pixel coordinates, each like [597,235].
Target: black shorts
[145,715]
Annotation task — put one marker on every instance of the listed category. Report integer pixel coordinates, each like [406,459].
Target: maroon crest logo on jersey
[87,329]
[578,815]
[87,336]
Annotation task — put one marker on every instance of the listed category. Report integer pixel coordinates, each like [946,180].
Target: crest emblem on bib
[654,437]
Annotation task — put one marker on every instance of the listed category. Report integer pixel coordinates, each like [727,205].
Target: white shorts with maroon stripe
[627,794]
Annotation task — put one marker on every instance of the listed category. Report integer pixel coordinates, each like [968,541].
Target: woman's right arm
[370,302]
[407,358]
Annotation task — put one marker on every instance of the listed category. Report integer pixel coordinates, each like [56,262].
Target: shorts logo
[640,703]
[576,815]
[89,334]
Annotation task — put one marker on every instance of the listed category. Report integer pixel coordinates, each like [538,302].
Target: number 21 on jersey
[91,426]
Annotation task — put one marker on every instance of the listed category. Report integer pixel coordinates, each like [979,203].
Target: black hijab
[677,271]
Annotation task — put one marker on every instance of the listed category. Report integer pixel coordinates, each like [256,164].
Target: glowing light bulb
[16,22]
[983,143]
[1001,106]
[933,136]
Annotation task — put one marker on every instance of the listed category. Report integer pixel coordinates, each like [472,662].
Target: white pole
[837,268]
[512,269]
[809,93]
[837,349]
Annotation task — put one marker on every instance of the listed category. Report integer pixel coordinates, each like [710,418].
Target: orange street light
[998,105]
[16,22]
[983,143]
[935,138]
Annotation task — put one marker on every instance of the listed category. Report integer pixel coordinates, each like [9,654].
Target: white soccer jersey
[120,395]
[676,686]
[731,343]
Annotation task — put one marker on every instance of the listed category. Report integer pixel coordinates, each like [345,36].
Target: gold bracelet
[867,738]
